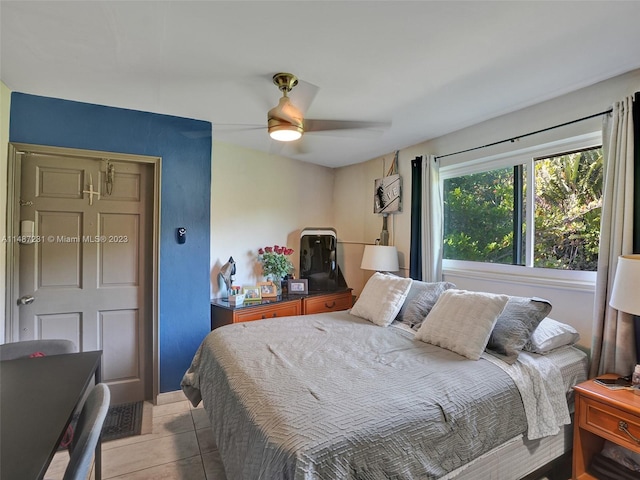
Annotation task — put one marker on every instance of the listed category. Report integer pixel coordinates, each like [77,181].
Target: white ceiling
[428,67]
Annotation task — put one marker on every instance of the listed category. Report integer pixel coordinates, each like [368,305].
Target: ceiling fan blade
[358,128]
[303,95]
[275,147]
[300,147]
[237,127]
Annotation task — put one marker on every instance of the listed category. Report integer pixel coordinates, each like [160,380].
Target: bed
[339,396]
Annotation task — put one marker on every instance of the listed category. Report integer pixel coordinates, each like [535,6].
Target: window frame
[521,274]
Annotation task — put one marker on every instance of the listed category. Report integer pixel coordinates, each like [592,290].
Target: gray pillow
[462,321]
[420,300]
[515,325]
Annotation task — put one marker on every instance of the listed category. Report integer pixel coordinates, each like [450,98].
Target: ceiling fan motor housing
[285,81]
[285,121]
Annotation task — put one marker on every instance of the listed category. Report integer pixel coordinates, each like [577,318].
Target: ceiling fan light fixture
[285,122]
[285,133]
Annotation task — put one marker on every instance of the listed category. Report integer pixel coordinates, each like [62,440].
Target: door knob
[26,300]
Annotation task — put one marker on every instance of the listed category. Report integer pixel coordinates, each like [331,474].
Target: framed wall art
[387,197]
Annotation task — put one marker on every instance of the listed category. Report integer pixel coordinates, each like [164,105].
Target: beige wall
[354,187]
[5,103]
[259,199]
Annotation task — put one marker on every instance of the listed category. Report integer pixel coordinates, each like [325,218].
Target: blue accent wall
[185,148]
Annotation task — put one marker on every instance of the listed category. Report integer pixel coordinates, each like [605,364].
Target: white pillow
[461,321]
[381,298]
[551,334]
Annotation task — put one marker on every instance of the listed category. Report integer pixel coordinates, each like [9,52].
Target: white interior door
[83,276]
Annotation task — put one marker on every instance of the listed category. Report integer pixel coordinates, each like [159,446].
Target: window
[479,217]
[568,204]
[539,208]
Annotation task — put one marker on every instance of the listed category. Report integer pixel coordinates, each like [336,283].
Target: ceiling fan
[286,122]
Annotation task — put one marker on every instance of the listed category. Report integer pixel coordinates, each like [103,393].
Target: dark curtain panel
[415,254]
[636,174]
[636,200]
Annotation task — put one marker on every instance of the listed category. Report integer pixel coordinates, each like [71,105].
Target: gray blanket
[332,396]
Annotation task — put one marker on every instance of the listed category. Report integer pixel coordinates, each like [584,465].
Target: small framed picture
[298,286]
[252,294]
[268,289]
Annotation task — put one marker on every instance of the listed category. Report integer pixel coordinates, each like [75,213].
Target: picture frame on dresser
[268,289]
[252,294]
[298,286]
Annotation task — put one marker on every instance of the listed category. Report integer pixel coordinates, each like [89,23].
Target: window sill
[565,279]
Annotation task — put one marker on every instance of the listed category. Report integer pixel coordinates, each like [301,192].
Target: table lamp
[625,294]
[381,258]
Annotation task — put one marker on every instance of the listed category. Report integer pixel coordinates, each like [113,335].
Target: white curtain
[612,348]
[431,220]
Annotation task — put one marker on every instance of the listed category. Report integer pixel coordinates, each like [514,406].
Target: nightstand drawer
[328,303]
[606,421]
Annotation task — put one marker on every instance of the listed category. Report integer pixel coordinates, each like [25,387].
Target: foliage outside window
[485,212]
[567,211]
[478,216]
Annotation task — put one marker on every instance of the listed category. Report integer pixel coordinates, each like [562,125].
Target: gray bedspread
[332,396]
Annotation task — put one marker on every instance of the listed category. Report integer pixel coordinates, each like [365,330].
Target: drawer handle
[333,304]
[623,427]
[264,316]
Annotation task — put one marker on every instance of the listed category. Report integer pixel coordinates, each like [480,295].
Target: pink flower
[278,249]
[268,249]
[288,251]
[260,251]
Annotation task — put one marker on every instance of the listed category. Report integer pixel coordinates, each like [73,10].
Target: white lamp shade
[382,258]
[625,294]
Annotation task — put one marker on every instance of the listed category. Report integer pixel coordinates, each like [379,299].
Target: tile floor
[180,446]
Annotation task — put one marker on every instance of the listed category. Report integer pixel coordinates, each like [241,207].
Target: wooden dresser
[316,302]
[603,414]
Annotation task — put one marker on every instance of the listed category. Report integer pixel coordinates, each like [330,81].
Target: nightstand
[603,414]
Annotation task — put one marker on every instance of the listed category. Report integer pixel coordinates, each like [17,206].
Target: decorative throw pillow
[461,321]
[515,325]
[551,334]
[420,300]
[381,298]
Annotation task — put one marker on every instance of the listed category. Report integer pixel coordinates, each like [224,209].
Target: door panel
[59,182]
[120,330]
[119,255]
[59,256]
[86,266]
[61,325]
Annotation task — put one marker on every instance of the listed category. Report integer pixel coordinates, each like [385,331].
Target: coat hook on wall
[110,177]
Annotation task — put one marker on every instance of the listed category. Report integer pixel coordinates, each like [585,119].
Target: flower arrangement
[275,262]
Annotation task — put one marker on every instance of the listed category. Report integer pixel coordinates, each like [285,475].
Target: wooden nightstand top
[624,399]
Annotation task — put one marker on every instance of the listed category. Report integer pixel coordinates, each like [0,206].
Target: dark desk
[37,399]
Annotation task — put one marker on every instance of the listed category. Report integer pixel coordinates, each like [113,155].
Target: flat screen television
[318,260]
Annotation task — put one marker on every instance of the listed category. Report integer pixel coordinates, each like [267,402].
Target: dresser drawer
[606,421]
[281,309]
[332,302]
